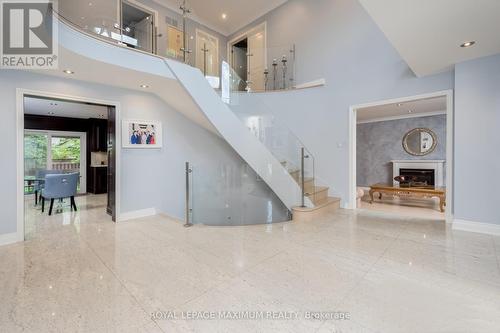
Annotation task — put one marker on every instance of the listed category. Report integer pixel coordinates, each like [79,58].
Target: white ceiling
[55,108]
[239,12]
[418,108]
[428,33]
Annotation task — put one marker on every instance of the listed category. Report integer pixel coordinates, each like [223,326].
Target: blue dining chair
[39,183]
[60,187]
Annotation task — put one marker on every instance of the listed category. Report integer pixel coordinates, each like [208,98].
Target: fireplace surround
[422,169]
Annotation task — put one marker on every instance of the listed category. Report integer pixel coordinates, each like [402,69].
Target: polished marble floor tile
[80,272]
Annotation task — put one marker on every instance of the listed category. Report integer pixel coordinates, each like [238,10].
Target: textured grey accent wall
[379,143]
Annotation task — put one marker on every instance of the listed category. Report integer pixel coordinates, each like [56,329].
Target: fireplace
[433,170]
[423,176]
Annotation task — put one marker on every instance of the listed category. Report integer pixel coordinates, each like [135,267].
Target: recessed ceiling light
[410,111]
[400,104]
[67,71]
[145,86]
[224,16]
[468,44]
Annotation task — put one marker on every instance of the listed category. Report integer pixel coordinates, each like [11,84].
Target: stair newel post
[188,192]
[302,176]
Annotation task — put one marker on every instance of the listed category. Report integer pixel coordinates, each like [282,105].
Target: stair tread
[318,189]
[328,201]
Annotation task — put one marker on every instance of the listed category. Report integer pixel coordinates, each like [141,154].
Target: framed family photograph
[142,134]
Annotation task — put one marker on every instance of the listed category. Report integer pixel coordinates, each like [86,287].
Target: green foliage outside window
[67,149]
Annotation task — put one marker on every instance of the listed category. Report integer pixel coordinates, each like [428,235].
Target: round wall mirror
[420,142]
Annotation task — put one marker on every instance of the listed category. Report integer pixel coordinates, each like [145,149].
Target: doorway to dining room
[69,162]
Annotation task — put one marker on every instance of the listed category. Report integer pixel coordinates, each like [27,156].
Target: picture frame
[142,134]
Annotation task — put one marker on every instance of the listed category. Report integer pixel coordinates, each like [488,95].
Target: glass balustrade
[265,68]
[228,193]
[264,125]
[130,24]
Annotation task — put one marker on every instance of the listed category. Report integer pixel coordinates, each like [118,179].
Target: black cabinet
[98,183]
[98,135]
[97,141]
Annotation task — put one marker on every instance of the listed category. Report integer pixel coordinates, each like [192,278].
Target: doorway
[126,22]
[69,141]
[387,125]
[207,53]
[138,27]
[239,59]
[247,54]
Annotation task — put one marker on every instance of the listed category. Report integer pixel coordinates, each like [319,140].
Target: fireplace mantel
[436,165]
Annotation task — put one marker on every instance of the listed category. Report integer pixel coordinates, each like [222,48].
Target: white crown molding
[479,227]
[405,116]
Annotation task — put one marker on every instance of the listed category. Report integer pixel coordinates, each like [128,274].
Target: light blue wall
[337,40]
[378,143]
[149,178]
[477,140]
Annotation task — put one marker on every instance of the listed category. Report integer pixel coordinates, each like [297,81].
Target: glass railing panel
[280,71]
[233,194]
[264,68]
[264,125]
[99,17]
[127,23]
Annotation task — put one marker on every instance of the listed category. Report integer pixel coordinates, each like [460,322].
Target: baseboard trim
[137,214]
[11,238]
[171,217]
[479,227]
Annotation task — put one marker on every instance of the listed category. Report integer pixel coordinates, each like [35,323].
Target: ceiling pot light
[144,86]
[410,111]
[400,104]
[468,44]
[224,16]
[67,71]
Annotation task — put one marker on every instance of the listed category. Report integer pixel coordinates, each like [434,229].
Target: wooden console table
[406,191]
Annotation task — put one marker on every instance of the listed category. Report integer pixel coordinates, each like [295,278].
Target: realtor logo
[28,35]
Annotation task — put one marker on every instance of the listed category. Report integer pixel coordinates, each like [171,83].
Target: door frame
[259,27]
[146,9]
[351,204]
[83,152]
[20,94]
[198,47]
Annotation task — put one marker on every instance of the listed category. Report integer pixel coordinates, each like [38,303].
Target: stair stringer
[230,127]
